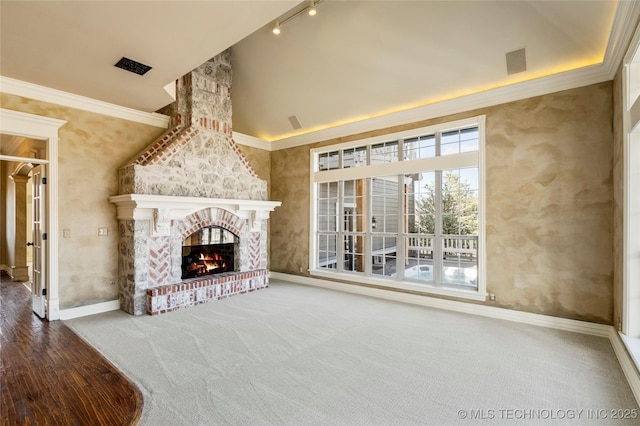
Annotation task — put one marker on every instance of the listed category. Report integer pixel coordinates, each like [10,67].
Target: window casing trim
[465,159]
[360,278]
[405,134]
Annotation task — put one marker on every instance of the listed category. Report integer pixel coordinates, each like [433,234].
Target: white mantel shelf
[161,209]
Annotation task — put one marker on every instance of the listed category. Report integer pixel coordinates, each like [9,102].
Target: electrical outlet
[103,232]
[66,233]
[492,297]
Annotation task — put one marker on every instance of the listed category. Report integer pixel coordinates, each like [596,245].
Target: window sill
[633,347]
[403,285]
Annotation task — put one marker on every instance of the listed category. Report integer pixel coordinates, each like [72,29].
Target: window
[404,211]
[354,157]
[386,152]
[329,160]
[630,322]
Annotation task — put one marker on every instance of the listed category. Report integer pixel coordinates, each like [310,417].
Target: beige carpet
[298,355]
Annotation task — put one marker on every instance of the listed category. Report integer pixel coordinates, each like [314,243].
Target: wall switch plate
[66,233]
[103,232]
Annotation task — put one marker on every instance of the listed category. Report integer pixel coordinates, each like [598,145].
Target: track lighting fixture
[310,9]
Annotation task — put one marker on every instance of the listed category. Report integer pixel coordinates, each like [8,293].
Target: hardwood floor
[52,377]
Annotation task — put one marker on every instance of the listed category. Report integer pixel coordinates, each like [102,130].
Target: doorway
[20,132]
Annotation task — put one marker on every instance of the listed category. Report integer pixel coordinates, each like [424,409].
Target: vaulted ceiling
[353,60]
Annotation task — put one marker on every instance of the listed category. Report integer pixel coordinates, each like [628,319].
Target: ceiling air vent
[133,66]
[516,61]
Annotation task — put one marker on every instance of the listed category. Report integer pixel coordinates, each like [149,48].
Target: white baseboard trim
[454,305]
[627,363]
[83,311]
[600,330]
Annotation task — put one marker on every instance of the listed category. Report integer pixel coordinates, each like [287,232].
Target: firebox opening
[208,251]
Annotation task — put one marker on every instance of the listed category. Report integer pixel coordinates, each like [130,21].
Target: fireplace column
[133,261]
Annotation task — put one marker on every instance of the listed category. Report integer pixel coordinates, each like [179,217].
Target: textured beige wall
[290,222]
[549,186]
[549,203]
[91,149]
[549,196]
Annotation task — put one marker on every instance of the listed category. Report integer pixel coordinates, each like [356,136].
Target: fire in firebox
[208,263]
[206,260]
[209,250]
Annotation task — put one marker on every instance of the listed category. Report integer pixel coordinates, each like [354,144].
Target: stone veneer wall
[197,157]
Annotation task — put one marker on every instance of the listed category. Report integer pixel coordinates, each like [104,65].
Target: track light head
[312,8]
[276,28]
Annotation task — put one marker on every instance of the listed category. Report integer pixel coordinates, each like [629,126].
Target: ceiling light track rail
[310,10]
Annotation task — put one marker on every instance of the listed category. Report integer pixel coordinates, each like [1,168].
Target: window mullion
[340,227]
[401,246]
[368,240]
[437,239]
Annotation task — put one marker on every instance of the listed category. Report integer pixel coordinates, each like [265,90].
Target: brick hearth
[195,291]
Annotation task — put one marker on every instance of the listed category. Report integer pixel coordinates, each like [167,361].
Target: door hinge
[44,291]
[44,236]
[44,180]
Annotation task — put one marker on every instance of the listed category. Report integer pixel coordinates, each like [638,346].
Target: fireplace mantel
[160,210]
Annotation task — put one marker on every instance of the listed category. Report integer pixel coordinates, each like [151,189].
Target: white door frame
[44,128]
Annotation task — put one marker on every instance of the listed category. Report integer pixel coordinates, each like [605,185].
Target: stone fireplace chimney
[197,157]
[192,177]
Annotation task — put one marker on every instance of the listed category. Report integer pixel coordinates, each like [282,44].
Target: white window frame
[630,326]
[468,159]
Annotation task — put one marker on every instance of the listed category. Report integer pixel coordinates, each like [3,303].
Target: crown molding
[23,124]
[624,25]
[625,22]
[540,86]
[248,140]
[58,97]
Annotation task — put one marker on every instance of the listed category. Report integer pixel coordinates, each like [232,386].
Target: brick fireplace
[192,177]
